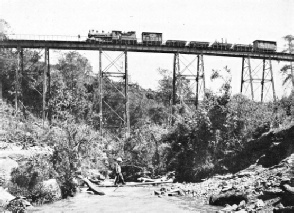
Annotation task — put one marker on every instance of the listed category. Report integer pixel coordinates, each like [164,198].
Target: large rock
[6,167]
[52,186]
[18,204]
[19,154]
[288,196]
[5,197]
[230,197]
[93,173]
[284,209]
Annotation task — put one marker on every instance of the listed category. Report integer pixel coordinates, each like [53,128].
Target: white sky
[237,21]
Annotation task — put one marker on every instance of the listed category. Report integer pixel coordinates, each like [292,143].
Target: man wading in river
[118,175]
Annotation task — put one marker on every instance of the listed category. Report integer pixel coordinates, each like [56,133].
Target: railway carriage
[149,38]
[264,46]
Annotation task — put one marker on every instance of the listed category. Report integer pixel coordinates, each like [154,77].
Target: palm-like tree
[288,70]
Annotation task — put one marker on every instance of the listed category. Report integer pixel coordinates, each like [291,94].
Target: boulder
[271,193]
[157,192]
[18,204]
[259,204]
[241,211]
[5,197]
[245,174]
[52,186]
[288,189]
[227,208]
[96,174]
[6,167]
[230,197]
[284,209]
[19,154]
[3,132]
[234,207]
[242,205]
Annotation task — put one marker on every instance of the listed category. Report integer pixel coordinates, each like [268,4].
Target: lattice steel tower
[252,83]
[188,82]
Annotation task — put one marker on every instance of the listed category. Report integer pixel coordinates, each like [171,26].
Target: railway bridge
[198,77]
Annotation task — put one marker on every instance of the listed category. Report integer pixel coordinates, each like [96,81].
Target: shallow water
[125,199]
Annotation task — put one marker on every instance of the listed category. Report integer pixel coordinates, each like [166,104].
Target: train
[155,39]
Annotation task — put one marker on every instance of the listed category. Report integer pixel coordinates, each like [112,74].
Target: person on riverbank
[118,175]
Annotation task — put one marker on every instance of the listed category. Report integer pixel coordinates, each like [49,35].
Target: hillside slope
[268,150]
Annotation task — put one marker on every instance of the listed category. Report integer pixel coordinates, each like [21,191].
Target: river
[125,199]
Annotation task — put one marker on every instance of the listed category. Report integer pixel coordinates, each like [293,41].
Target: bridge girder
[76,45]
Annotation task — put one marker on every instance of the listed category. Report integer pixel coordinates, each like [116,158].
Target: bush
[190,145]
[76,146]
[27,179]
[64,163]
[144,150]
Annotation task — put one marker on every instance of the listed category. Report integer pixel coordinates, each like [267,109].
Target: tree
[226,78]
[5,29]
[288,70]
[144,150]
[7,58]
[165,91]
[70,86]
[75,69]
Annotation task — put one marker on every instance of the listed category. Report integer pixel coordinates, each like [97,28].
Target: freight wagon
[264,46]
[175,43]
[199,44]
[243,47]
[149,38]
[221,46]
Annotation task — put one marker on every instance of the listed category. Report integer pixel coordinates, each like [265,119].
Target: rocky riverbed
[253,189]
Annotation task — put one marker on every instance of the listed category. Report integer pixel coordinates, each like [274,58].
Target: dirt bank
[126,199]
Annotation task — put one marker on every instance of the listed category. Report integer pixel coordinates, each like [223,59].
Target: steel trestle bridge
[179,73]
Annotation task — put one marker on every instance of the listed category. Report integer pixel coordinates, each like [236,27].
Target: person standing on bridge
[118,175]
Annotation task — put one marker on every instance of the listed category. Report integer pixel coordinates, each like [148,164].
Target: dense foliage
[27,180]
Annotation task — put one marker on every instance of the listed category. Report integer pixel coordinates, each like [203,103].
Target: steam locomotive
[155,39]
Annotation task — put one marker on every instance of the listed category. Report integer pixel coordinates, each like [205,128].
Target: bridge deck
[80,45]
